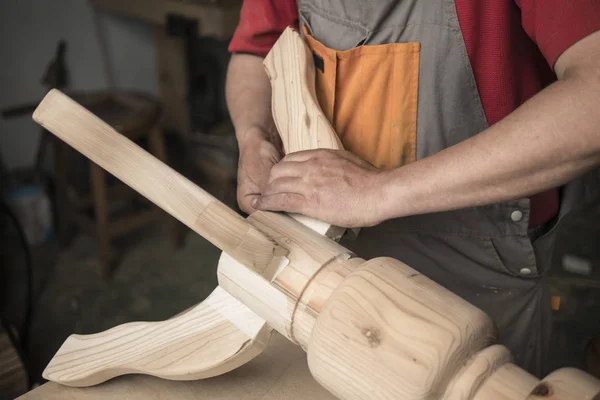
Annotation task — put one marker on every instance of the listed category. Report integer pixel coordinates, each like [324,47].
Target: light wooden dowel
[156,181]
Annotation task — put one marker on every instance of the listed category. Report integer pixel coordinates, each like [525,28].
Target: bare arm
[248,93]
[550,139]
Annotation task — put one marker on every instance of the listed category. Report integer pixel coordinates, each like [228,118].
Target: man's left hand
[334,186]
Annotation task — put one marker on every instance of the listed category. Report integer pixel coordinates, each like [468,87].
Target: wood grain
[275,298]
[509,382]
[301,123]
[280,373]
[316,293]
[326,229]
[480,367]
[154,180]
[215,337]
[567,383]
[222,328]
[298,117]
[388,332]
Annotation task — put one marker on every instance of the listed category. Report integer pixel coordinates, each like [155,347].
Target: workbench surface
[281,372]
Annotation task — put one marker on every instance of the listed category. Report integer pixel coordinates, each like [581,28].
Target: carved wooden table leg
[372,329]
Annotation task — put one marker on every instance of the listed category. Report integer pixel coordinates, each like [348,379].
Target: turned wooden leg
[98,180]
[156,145]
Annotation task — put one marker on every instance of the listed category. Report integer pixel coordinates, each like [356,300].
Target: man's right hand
[249,101]
[257,157]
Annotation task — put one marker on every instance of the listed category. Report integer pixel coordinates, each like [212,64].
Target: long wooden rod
[162,185]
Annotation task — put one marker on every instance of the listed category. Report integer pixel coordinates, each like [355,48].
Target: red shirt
[512,46]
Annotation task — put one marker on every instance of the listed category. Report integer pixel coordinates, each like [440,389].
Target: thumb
[246,203]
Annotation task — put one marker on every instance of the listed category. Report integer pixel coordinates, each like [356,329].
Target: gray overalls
[483,254]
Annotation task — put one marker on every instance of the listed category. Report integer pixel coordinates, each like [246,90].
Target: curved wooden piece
[301,123]
[298,117]
[213,338]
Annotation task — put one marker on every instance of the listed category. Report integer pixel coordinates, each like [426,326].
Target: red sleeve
[555,25]
[261,23]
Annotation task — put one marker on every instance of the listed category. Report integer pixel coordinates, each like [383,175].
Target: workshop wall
[29,33]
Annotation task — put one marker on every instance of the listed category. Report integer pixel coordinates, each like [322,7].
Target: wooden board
[281,372]
[166,188]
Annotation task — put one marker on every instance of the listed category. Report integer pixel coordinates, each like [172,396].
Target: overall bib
[395,81]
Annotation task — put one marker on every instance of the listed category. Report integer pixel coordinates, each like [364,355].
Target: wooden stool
[134,115]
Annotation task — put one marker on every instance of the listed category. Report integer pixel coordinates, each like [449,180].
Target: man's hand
[257,157]
[330,185]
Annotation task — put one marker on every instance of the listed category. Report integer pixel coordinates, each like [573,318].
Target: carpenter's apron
[399,87]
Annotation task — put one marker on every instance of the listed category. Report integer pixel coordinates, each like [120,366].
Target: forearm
[546,142]
[248,93]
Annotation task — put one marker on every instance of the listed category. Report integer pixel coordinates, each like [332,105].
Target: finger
[286,185]
[287,169]
[288,202]
[245,202]
[346,155]
[305,155]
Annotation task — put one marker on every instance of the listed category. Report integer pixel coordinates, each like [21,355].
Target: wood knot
[307,121]
[373,337]
[541,390]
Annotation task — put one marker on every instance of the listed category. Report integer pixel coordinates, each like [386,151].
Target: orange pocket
[369,94]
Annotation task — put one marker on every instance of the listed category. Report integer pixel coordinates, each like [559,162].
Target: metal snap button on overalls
[516,216]
[525,271]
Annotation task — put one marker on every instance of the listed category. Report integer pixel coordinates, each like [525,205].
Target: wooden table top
[281,372]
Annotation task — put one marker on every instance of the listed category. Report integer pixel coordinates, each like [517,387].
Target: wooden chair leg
[61,183]
[156,145]
[98,180]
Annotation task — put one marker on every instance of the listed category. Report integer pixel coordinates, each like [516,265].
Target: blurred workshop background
[82,253]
